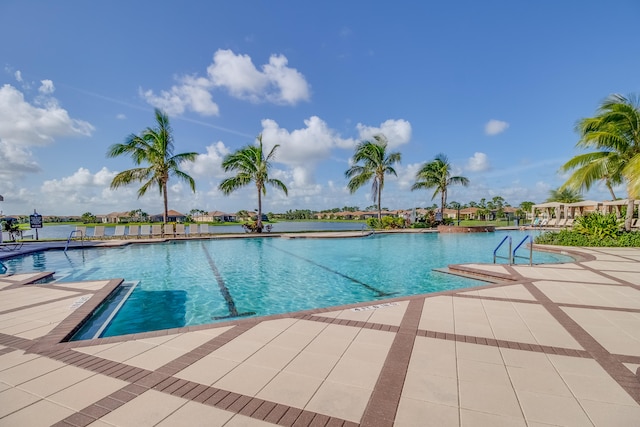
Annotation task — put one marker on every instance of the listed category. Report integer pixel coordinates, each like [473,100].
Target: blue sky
[497,86]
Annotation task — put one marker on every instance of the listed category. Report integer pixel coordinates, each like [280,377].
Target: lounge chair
[145,231]
[569,222]
[635,223]
[98,232]
[561,222]
[204,229]
[193,230]
[156,230]
[180,231]
[118,232]
[552,222]
[133,231]
[81,232]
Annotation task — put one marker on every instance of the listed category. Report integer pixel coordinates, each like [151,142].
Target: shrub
[575,238]
[598,225]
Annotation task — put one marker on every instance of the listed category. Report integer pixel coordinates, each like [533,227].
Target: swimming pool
[182,283]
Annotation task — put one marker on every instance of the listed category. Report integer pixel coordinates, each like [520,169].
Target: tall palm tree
[371,163]
[615,133]
[154,146]
[437,174]
[251,165]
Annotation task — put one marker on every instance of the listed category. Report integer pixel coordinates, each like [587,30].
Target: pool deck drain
[557,344]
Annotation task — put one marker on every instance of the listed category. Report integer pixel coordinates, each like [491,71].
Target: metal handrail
[368,227]
[495,255]
[71,236]
[4,267]
[514,256]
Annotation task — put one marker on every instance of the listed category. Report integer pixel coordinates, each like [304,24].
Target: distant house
[214,216]
[172,216]
[113,217]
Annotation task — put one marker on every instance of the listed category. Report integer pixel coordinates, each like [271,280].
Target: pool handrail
[3,268]
[495,255]
[71,236]
[514,256]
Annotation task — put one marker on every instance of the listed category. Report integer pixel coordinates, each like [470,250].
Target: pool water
[194,282]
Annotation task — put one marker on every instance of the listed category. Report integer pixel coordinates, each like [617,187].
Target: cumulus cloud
[398,132]
[24,125]
[479,162]
[275,82]
[209,163]
[494,127]
[46,87]
[191,93]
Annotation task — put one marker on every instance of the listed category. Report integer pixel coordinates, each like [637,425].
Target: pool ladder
[512,254]
[71,236]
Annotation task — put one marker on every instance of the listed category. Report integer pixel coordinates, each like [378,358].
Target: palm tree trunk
[166,203]
[613,195]
[629,217]
[443,201]
[379,206]
[259,220]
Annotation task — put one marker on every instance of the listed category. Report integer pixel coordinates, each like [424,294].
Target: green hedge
[574,238]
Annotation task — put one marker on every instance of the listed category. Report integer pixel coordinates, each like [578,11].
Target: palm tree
[371,163]
[564,195]
[615,133]
[437,174]
[153,146]
[251,166]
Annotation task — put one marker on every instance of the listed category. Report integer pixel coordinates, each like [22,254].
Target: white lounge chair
[98,232]
[133,231]
[193,230]
[180,231]
[81,232]
[156,230]
[204,229]
[145,231]
[118,233]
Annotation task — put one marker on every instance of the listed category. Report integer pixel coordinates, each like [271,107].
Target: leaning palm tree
[251,166]
[615,135]
[371,162]
[437,174]
[154,146]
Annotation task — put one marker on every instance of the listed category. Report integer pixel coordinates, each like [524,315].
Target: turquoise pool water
[203,281]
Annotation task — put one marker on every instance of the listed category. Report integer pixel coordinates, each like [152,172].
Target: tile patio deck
[547,345]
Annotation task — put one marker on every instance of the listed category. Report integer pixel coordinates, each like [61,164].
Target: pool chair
[145,231]
[569,223]
[193,230]
[133,231]
[180,231]
[81,232]
[204,229]
[561,222]
[118,232]
[98,232]
[156,230]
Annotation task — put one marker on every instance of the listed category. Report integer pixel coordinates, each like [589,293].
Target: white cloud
[494,127]
[208,164]
[121,116]
[275,82]
[300,147]
[24,125]
[398,132]
[46,87]
[190,94]
[18,75]
[479,162]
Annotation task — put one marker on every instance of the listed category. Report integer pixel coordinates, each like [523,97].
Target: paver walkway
[548,345]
